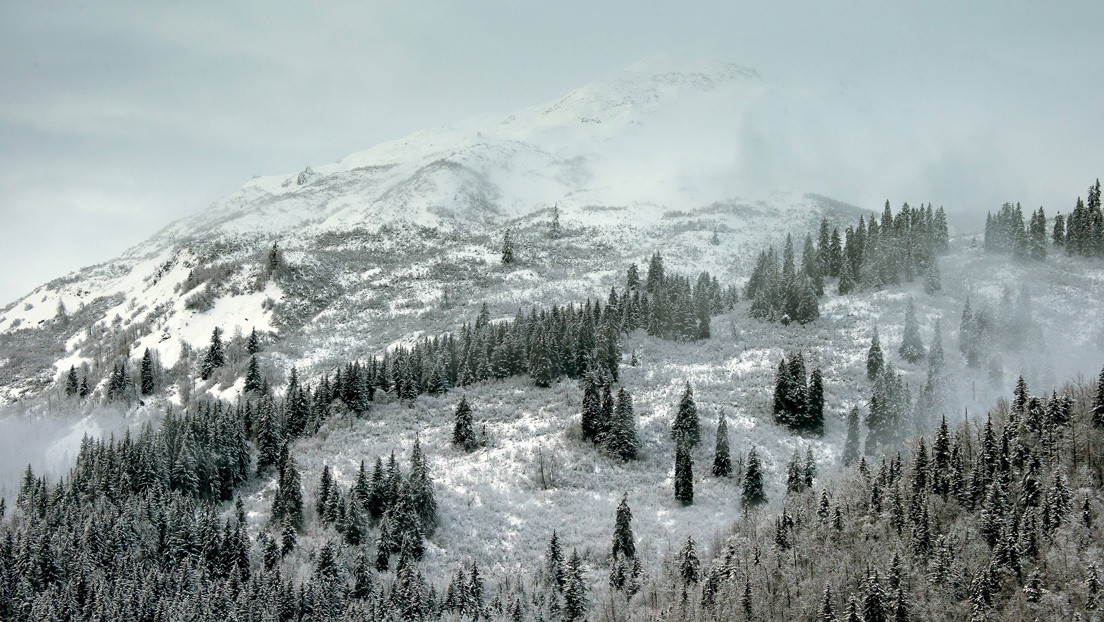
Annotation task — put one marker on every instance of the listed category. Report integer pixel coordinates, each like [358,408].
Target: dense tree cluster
[606,421]
[798,399]
[671,307]
[895,249]
[1082,233]
[778,291]
[1006,233]
[997,522]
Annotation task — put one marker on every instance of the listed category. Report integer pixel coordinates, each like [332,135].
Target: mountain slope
[642,160]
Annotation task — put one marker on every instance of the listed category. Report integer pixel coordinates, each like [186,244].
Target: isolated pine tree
[623,543]
[875,361]
[463,431]
[215,357]
[684,473]
[554,230]
[753,493]
[72,384]
[507,249]
[686,428]
[147,377]
[722,457]
[912,347]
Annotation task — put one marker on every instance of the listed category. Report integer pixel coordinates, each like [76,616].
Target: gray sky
[117,119]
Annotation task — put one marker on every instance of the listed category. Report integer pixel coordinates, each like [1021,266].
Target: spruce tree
[72,384]
[814,405]
[684,473]
[463,432]
[554,562]
[215,357]
[1098,403]
[421,489]
[846,283]
[592,407]
[621,440]
[554,230]
[689,564]
[253,343]
[827,613]
[912,347]
[632,278]
[655,279]
[575,598]
[933,283]
[287,505]
[784,389]
[148,386]
[795,475]
[875,361]
[722,457]
[623,543]
[753,493]
[253,380]
[686,428]
[851,445]
[507,249]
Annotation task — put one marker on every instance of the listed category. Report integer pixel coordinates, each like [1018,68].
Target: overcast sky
[117,118]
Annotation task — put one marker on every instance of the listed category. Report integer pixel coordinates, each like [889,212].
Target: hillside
[371,268]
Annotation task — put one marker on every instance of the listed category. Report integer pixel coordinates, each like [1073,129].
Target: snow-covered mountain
[403,240]
[646,159]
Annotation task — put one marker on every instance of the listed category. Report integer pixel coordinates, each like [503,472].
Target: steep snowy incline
[646,159]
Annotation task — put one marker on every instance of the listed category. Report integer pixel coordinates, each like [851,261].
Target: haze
[116,120]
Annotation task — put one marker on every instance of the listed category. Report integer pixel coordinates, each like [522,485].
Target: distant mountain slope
[645,159]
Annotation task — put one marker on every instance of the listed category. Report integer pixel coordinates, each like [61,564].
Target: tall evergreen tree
[875,361]
[463,431]
[851,445]
[684,473]
[215,357]
[287,504]
[592,407]
[621,440]
[147,377]
[912,347]
[753,493]
[623,543]
[814,405]
[575,598]
[253,380]
[507,249]
[72,384]
[686,426]
[722,457]
[1098,403]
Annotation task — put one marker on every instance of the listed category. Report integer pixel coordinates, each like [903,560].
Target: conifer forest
[590,361]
